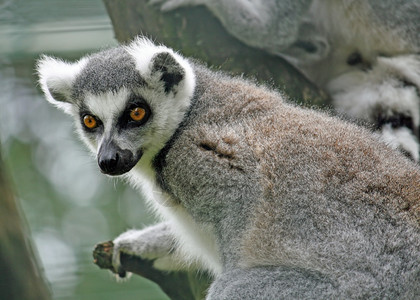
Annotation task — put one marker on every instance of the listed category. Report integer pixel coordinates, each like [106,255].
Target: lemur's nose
[109,162]
[115,161]
[109,158]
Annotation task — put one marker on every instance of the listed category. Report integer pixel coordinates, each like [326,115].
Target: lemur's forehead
[107,106]
[107,71]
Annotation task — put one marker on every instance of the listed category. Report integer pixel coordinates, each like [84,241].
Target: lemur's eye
[137,114]
[90,122]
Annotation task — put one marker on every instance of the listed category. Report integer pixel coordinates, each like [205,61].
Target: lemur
[365,54]
[277,201]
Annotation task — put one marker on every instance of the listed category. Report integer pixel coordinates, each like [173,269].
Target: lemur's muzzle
[115,161]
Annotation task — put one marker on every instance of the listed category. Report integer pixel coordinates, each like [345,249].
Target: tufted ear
[56,78]
[161,66]
[171,72]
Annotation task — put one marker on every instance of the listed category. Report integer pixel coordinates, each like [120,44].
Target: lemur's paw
[151,244]
[403,139]
[103,257]
[133,242]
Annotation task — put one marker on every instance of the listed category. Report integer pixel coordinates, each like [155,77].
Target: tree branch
[178,285]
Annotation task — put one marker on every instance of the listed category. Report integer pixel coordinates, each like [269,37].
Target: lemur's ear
[161,66]
[56,78]
[171,72]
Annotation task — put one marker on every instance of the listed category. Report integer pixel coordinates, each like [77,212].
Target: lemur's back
[316,193]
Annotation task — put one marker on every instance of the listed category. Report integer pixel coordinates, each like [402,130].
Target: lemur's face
[126,101]
[118,126]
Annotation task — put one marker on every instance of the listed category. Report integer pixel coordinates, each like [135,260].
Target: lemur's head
[126,101]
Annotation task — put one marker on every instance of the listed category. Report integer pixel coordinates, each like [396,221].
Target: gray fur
[402,16]
[278,201]
[313,194]
[157,242]
[320,38]
[272,283]
[109,70]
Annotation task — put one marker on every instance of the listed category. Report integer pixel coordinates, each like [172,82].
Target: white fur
[356,94]
[401,137]
[142,50]
[168,109]
[105,107]
[407,66]
[195,243]
[339,30]
[58,75]
[169,113]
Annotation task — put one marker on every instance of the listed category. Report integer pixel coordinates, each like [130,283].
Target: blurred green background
[68,204]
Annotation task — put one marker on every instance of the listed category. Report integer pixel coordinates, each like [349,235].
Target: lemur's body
[277,201]
[365,54]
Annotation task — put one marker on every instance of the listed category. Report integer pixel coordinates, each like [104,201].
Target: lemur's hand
[154,243]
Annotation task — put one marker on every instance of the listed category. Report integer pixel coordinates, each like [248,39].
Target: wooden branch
[177,285]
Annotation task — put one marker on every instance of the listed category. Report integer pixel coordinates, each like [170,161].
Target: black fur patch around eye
[172,72]
[125,121]
[98,129]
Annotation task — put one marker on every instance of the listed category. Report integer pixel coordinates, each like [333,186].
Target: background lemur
[364,53]
[276,200]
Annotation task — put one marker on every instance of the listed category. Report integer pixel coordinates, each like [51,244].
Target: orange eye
[90,122]
[137,114]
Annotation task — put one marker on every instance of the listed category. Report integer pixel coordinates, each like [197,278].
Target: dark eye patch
[126,122]
[97,128]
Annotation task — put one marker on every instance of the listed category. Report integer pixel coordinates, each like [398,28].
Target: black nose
[108,162]
[115,161]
